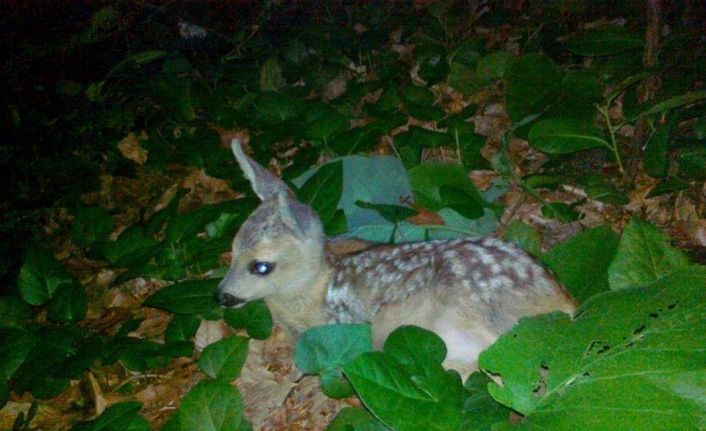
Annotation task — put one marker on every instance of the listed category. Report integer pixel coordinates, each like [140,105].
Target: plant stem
[613,146]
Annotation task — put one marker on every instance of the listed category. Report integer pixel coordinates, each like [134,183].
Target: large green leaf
[605,41]
[429,179]
[17,344]
[323,350]
[187,297]
[254,316]
[118,417]
[213,405]
[405,386]
[182,327]
[353,419]
[322,191]
[132,247]
[643,256]
[565,135]
[41,276]
[224,359]
[69,304]
[581,263]
[525,236]
[532,83]
[631,359]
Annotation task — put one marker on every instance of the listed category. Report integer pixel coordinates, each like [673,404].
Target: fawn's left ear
[265,185]
[300,218]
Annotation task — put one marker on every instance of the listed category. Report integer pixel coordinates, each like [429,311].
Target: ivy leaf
[41,276]
[213,405]
[224,359]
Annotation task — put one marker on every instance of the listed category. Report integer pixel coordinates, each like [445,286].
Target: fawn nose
[228,300]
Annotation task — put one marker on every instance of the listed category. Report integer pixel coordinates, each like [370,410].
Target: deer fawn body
[468,291]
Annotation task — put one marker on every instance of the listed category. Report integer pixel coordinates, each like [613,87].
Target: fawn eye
[261,268]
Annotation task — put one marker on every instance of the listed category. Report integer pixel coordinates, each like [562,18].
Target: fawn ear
[300,218]
[264,184]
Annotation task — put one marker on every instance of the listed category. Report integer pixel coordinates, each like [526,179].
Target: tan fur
[468,291]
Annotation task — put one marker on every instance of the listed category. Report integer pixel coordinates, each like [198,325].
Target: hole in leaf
[654,315]
[495,377]
[671,306]
[541,389]
[638,330]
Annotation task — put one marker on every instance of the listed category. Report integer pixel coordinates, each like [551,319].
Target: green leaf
[644,256]
[187,297]
[13,312]
[91,225]
[463,79]
[419,137]
[322,122]
[480,410]
[417,95]
[565,135]
[40,276]
[182,327]
[493,66]
[133,246]
[606,193]
[254,316]
[213,405]
[391,213]
[323,190]
[560,211]
[672,103]
[428,179]
[17,344]
[608,40]
[532,83]
[629,359]
[353,419]
[415,348]
[581,262]
[432,62]
[224,226]
[692,163]
[431,401]
[69,304]
[276,107]
[461,202]
[224,359]
[542,181]
[668,185]
[118,417]
[525,236]
[655,159]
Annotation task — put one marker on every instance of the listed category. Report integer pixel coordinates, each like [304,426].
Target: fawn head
[279,248]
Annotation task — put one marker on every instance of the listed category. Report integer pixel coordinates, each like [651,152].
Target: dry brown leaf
[130,148]
[209,332]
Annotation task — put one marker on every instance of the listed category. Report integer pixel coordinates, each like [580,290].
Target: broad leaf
[182,327]
[213,405]
[565,135]
[325,349]
[69,304]
[40,276]
[644,256]
[581,262]
[224,359]
[187,297]
[323,190]
[629,359]
[532,83]
[525,236]
[254,316]
[605,41]
[118,417]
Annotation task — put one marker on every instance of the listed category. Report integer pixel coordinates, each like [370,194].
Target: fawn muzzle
[228,300]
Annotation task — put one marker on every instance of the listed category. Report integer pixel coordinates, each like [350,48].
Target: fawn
[467,290]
